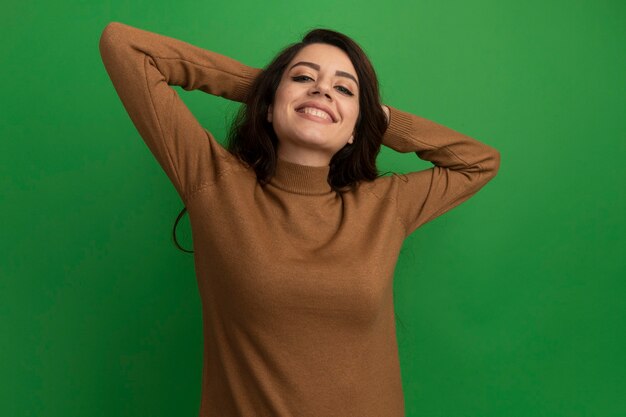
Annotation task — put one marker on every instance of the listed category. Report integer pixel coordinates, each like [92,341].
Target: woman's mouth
[315,114]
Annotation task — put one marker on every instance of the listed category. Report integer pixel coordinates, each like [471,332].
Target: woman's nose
[321,88]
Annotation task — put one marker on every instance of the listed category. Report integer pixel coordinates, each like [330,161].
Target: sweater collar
[301,179]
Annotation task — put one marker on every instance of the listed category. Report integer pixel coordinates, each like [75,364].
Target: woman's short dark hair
[252,138]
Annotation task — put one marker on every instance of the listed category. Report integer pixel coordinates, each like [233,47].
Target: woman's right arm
[142,65]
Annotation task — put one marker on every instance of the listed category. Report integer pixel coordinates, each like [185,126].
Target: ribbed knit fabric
[295,279]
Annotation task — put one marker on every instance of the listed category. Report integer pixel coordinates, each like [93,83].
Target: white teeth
[316,112]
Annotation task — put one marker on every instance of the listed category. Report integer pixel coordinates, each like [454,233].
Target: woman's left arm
[463,165]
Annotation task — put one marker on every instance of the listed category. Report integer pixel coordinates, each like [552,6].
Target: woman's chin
[312,139]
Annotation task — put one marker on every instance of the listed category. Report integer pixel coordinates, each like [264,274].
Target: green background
[512,304]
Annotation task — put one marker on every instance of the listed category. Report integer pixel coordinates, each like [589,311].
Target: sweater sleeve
[463,166]
[142,66]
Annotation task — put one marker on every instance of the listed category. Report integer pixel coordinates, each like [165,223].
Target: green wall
[511,304]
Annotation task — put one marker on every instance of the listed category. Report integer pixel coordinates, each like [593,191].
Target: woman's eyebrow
[317,68]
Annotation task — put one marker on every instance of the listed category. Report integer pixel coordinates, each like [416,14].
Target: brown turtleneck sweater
[295,279]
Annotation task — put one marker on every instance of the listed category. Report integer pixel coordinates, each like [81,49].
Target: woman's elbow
[491,165]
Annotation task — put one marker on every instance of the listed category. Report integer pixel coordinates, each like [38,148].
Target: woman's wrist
[386,111]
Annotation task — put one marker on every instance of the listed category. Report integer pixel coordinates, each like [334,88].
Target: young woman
[295,234]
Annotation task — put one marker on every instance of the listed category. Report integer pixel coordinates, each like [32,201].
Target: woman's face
[316,105]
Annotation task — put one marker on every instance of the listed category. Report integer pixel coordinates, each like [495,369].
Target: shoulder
[384,187]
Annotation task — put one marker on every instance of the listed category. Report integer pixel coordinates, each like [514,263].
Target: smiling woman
[296,235]
[325,76]
[314,114]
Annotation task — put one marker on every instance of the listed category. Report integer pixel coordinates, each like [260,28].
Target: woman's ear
[269,113]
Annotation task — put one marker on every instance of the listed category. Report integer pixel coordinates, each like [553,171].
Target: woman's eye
[301,78]
[345,90]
